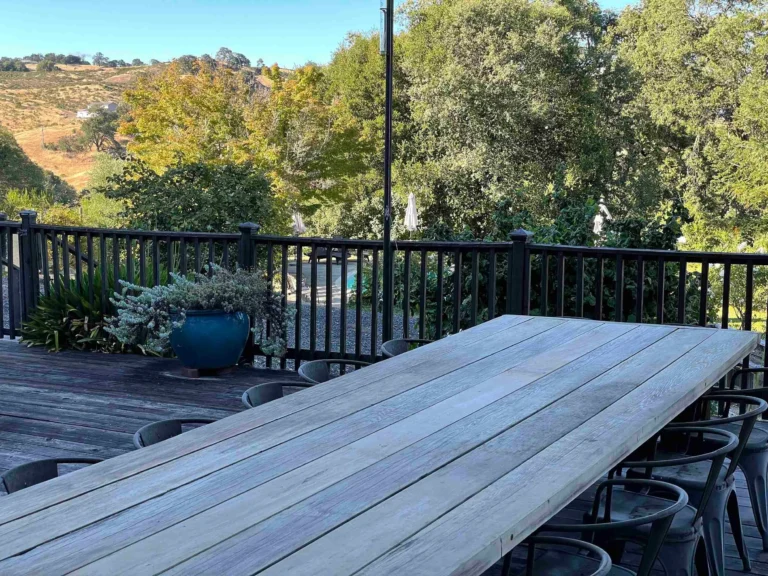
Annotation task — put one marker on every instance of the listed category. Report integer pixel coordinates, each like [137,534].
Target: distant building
[89,112]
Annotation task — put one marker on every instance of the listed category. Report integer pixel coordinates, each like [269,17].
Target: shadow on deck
[80,404]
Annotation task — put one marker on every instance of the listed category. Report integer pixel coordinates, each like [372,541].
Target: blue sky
[286,31]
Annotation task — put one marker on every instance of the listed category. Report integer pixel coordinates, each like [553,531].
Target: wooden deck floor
[79,404]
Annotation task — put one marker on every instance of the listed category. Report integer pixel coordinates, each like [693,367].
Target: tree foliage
[192,196]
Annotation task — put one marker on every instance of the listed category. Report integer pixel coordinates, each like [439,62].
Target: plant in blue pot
[205,320]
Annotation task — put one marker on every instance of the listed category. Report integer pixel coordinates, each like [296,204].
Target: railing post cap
[249,228]
[521,235]
[28,213]
[3,216]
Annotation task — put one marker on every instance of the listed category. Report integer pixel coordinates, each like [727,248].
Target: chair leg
[734,517]
[754,466]
[714,529]
[678,558]
[702,564]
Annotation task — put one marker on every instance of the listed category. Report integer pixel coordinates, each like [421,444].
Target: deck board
[88,404]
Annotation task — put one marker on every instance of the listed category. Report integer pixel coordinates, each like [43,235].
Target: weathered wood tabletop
[435,462]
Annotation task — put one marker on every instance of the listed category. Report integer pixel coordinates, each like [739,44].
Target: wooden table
[435,462]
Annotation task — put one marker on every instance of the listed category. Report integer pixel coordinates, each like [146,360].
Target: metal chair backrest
[399,346]
[750,408]
[31,473]
[163,430]
[269,391]
[717,457]
[603,569]
[660,521]
[319,371]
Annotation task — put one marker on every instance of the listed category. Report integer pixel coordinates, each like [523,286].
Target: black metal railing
[335,285]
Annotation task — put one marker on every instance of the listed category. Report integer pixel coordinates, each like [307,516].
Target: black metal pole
[388,256]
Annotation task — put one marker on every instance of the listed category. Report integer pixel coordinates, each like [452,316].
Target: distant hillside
[31,101]
[18,171]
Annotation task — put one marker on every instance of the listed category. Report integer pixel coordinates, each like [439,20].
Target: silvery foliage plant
[146,315]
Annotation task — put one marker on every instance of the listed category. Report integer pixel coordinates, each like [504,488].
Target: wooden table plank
[384,470]
[99,503]
[570,465]
[66,487]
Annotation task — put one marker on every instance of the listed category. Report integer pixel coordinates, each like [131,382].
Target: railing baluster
[374,305]
[103,269]
[619,311]
[580,285]
[11,291]
[78,263]
[225,255]
[299,298]
[639,289]
[599,280]
[359,305]
[457,291]
[439,313]
[155,261]
[198,256]
[750,285]
[129,272]
[423,295]
[681,291]
[183,257]
[211,256]
[142,262]
[46,271]
[661,273]
[560,277]
[726,293]
[704,293]
[343,304]
[169,257]
[407,293]
[65,257]
[492,284]
[313,301]
[270,277]
[116,261]
[544,308]
[4,257]
[283,289]
[89,249]
[55,262]
[328,299]
[474,287]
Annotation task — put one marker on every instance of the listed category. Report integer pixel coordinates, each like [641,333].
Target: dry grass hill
[43,105]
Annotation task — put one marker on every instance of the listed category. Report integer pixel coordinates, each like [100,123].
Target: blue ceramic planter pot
[210,339]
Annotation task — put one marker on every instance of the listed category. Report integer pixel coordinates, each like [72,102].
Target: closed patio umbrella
[411,215]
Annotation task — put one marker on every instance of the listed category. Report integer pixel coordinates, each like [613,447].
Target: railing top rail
[9,224]
[668,255]
[396,244]
[135,233]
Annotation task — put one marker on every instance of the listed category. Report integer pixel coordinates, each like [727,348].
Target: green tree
[99,59]
[137,62]
[46,66]
[99,130]
[194,196]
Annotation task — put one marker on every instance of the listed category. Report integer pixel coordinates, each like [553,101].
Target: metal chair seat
[31,473]
[554,562]
[628,505]
[269,391]
[393,348]
[319,371]
[757,442]
[691,477]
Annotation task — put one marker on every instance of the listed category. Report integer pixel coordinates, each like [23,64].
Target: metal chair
[714,410]
[610,527]
[32,473]
[401,346]
[263,393]
[754,458]
[319,371]
[163,430]
[544,560]
[682,549]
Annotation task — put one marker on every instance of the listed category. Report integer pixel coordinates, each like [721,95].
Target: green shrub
[146,316]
